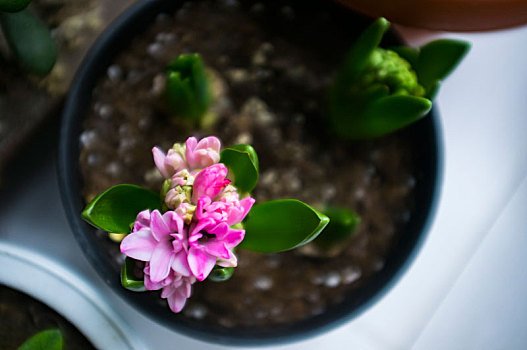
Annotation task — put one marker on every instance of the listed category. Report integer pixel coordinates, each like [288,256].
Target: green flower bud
[387,68]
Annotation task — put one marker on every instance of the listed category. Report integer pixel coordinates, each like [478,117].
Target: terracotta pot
[451,15]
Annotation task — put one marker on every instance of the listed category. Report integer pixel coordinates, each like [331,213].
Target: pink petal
[203,201]
[233,237]
[161,261]
[149,285]
[211,143]
[232,261]
[202,154]
[180,264]
[139,245]
[174,222]
[190,144]
[159,160]
[217,249]
[173,162]
[200,263]
[159,227]
[142,220]
[210,182]
[195,229]
[246,205]
[176,301]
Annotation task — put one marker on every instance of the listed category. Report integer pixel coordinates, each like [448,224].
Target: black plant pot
[425,140]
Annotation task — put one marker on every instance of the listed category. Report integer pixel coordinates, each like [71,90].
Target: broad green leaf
[389,114]
[221,274]
[411,54]
[438,58]
[128,279]
[342,225]
[242,162]
[116,208]
[362,48]
[50,339]
[280,225]
[30,40]
[187,88]
[13,5]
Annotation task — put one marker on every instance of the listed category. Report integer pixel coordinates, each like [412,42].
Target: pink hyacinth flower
[168,164]
[231,211]
[176,288]
[202,154]
[178,292]
[162,243]
[208,242]
[210,182]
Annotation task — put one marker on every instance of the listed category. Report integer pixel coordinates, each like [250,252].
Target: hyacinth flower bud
[210,182]
[378,91]
[170,163]
[202,154]
[177,196]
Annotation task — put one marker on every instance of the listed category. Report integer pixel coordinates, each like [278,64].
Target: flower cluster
[196,233]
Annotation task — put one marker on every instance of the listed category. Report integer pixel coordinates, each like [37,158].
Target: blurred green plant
[28,37]
[50,339]
[378,91]
[187,91]
[341,227]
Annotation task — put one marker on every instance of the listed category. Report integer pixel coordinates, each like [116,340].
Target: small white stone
[155,50]
[263,283]
[332,280]
[328,191]
[268,177]
[113,168]
[350,274]
[244,138]
[158,84]
[89,138]
[237,75]
[197,311]
[318,279]
[114,72]
[105,112]
[93,159]
[359,194]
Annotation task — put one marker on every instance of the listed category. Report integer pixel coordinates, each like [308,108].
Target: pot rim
[130,23]
[79,302]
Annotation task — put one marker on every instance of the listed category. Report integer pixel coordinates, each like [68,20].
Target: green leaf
[50,339]
[30,40]
[128,279]
[187,89]
[116,208]
[221,274]
[342,225]
[358,55]
[13,5]
[437,59]
[280,225]
[392,113]
[242,162]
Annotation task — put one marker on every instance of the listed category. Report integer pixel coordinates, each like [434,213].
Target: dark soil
[273,65]
[22,317]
